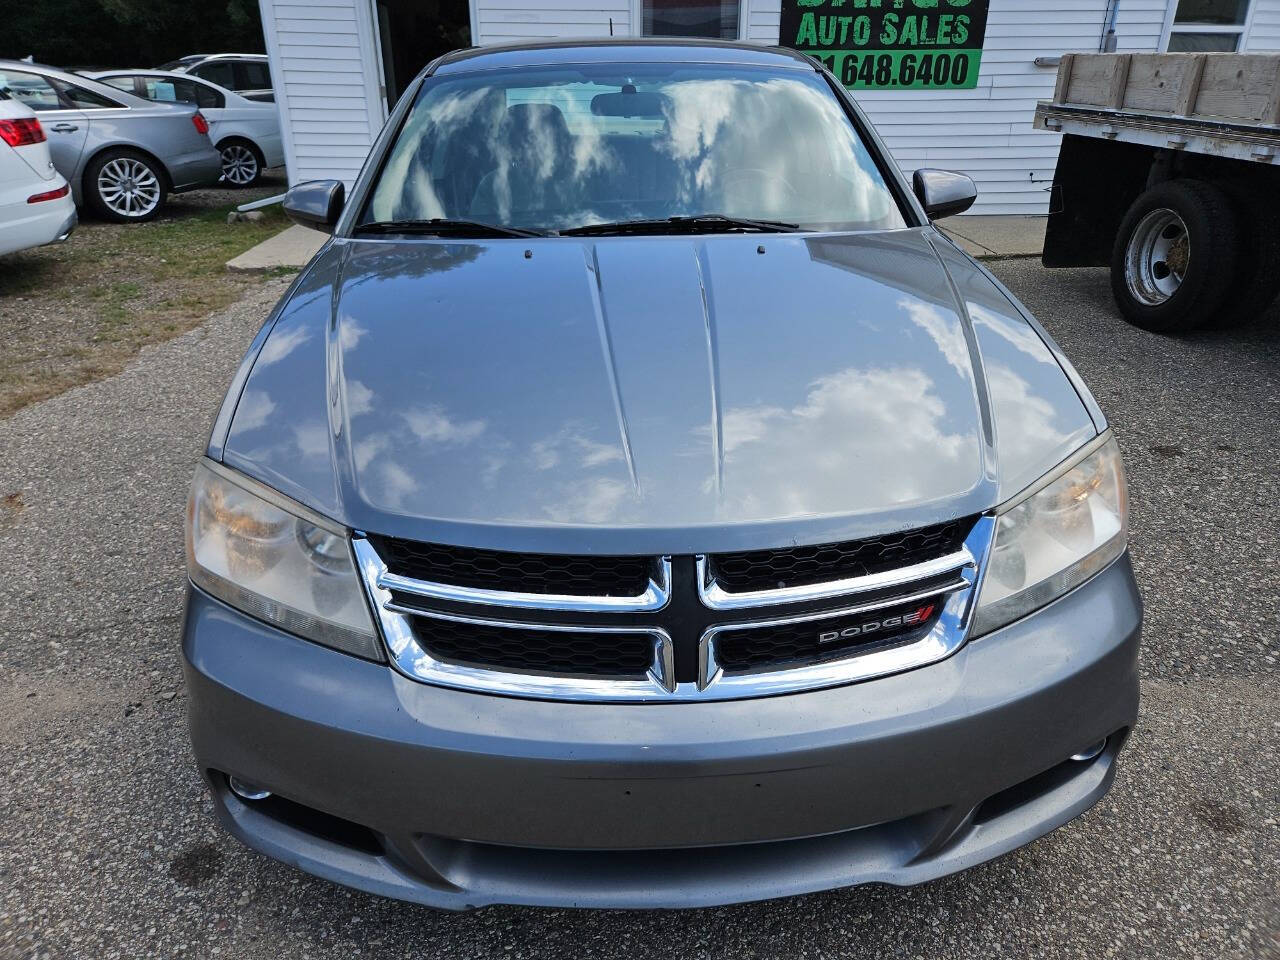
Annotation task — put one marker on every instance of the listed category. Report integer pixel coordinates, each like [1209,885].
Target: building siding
[505,21]
[1264,29]
[326,87]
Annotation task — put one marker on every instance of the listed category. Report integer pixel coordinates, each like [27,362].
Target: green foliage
[126,33]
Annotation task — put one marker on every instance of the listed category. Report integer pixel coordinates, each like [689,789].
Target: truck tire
[1257,257]
[1174,260]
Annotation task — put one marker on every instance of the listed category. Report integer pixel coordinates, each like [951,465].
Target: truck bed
[1218,104]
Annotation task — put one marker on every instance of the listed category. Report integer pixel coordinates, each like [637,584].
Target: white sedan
[246,132]
[35,202]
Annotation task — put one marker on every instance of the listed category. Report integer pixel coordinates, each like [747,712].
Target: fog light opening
[1089,753]
[246,791]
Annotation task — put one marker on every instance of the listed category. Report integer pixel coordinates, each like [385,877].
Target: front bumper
[459,800]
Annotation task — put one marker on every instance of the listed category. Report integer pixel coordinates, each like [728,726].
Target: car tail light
[21,132]
[62,191]
[201,123]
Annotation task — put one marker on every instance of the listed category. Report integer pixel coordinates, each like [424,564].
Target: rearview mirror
[316,204]
[630,103]
[943,193]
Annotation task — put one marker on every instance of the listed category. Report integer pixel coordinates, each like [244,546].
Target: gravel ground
[109,849]
[77,312]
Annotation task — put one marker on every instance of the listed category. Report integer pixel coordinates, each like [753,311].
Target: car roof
[167,74]
[231,56]
[619,50]
[84,80]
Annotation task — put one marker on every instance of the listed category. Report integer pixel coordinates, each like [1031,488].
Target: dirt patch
[77,312]
[1222,818]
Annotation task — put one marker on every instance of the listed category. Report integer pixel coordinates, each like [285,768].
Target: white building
[336,63]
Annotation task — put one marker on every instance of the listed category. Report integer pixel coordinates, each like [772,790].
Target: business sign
[890,44]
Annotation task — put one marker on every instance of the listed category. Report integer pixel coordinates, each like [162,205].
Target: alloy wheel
[239,165]
[129,187]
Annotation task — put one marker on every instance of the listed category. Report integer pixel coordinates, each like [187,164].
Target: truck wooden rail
[1169,172]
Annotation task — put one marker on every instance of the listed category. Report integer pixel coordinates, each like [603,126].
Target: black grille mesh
[613,655]
[802,566]
[794,644]
[517,572]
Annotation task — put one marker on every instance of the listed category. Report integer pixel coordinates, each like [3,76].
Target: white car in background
[248,74]
[245,132]
[35,201]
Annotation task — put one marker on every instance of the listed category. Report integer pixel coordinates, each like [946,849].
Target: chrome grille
[510,572]
[804,642]
[536,649]
[682,634]
[760,570]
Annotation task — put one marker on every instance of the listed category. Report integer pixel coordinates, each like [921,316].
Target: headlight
[276,560]
[1051,539]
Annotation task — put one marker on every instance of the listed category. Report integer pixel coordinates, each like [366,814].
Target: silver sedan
[121,154]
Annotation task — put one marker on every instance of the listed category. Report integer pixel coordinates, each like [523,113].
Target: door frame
[376,77]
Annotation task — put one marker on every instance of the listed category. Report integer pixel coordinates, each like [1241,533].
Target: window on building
[717,19]
[1212,26]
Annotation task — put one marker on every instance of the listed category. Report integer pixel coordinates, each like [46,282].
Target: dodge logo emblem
[873,626]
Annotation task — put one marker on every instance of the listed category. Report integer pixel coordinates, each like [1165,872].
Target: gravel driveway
[109,849]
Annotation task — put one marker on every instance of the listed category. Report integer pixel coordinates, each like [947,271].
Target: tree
[126,33]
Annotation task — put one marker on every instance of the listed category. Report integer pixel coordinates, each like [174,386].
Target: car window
[29,88]
[206,96]
[120,83]
[561,147]
[174,90]
[87,99]
[218,72]
[251,75]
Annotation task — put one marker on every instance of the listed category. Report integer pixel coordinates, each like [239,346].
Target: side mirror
[943,193]
[316,204]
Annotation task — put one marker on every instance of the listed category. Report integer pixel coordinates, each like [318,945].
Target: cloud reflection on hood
[861,435]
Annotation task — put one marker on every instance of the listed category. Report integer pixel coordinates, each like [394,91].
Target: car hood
[636,394]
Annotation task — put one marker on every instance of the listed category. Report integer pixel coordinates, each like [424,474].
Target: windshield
[557,148]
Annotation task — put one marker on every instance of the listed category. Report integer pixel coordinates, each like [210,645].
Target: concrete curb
[291,247]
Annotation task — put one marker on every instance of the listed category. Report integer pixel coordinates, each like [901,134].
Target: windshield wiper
[697,223]
[440,226]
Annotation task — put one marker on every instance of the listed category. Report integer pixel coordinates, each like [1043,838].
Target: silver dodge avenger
[639,503]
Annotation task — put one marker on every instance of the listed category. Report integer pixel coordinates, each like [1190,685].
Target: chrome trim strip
[655,596]
[717,598]
[415,662]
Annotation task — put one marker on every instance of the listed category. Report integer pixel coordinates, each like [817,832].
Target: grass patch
[77,312]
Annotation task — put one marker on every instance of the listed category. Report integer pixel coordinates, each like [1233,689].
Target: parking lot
[108,847]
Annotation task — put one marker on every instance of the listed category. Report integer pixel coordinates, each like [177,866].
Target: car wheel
[124,187]
[241,163]
[1257,253]
[1174,263]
